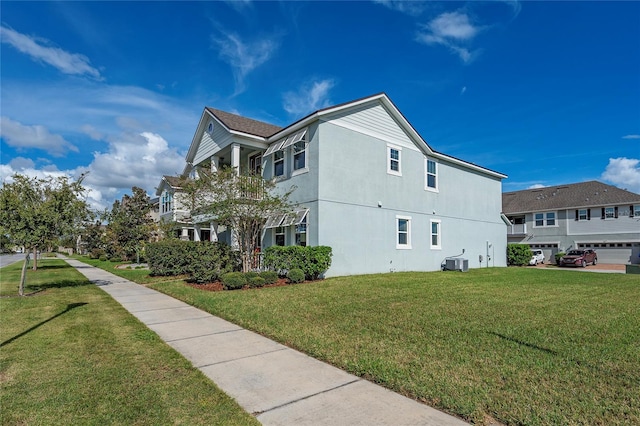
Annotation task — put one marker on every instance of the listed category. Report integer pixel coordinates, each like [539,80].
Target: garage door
[618,253]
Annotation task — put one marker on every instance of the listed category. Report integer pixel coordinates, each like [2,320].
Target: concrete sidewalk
[278,385]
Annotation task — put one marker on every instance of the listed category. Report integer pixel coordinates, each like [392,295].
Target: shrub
[558,256]
[115,259]
[295,275]
[256,281]
[96,253]
[233,280]
[103,258]
[269,277]
[518,254]
[313,261]
[250,275]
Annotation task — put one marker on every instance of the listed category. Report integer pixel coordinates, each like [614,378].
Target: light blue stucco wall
[354,202]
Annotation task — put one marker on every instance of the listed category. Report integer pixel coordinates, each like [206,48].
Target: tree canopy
[36,213]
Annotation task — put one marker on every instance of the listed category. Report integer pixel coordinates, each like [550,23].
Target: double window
[284,224]
[544,219]
[289,153]
[167,201]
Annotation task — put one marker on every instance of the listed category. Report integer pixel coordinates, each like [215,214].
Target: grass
[70,354]
[518,345]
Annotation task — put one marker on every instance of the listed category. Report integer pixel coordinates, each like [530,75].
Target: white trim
[305,169]
[389,160]
[545,219]
[406,246]
[284,165]
[439,234]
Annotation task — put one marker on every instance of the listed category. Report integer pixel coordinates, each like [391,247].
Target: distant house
[576,216]
[367,184]
[172,209]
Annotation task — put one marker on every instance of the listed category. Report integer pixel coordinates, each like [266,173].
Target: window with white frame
[544,219]
[435,234]
[300,155]
[609,212]
[635,212]
[403,232]
[301,232]
[394,154]
[167,200]
[583,214]
[431,178]
[278,163]
[279,235]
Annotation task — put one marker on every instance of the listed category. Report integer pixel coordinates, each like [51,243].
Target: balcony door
[255,164]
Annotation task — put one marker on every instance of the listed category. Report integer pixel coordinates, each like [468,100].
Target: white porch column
[235,157]
[214,163]
[196,233]
[214,231]
[185,234]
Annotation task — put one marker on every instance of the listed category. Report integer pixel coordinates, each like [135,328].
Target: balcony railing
[251,187]
[518,229]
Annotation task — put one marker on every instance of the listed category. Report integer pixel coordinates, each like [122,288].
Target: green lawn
[70,354]
[523,346]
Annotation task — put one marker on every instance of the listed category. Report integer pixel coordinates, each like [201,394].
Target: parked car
[537,256]
[579,258]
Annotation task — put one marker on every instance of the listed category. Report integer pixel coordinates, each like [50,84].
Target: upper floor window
[403,232]
[278,163]
[166,202]
[299,155]
[544,219]
[583,214]
[431,174]
[635,210]
[393,160]
[435,234]
[609,212]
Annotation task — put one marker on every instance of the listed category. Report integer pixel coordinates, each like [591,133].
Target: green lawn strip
[70,354]
[522,346]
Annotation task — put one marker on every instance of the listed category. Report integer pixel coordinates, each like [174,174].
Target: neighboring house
[367,184]
[576,216]
[172,209]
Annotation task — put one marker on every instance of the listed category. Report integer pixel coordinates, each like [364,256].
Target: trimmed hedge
[518,254]
[233,280]
[203,261]
[313,261]
[269,277]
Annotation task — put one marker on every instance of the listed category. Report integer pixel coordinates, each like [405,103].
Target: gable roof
[571,196]
[171,181]
[243,124]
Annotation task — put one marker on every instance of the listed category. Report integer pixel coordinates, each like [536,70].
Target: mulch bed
[217,286]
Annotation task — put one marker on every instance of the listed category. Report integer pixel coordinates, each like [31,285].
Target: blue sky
[545,92]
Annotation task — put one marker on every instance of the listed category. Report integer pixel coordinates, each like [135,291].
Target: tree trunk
[35,258]
[23,276]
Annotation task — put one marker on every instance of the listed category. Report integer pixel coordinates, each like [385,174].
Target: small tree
[242,203]
[36,213]
[129,224]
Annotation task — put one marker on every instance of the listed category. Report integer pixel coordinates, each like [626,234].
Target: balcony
[517,229]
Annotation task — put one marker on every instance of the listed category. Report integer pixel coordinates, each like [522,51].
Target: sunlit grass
[70,354]
[522,346]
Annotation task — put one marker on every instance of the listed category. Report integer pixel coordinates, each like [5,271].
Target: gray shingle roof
[243,124]
[173,181]
[576,195]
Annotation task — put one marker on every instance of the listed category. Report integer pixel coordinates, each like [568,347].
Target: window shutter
[631,210]
[577,214]
[616,211]
[588,214]
[603,212]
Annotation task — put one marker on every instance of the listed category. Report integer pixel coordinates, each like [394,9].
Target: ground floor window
[435,234]
[280,233]
[403,232]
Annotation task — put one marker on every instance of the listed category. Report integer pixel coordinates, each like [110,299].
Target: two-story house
[576,216]
[367,184]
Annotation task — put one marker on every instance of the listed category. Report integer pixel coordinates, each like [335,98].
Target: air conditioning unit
[456,264]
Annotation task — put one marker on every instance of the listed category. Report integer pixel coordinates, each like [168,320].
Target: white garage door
[617,253]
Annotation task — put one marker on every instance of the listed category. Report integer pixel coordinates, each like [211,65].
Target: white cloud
[24,137]
[463,90]
[631,137]
[68,63]
[536,186]
[244,57]
[412,8]
[451,29]
[624,173]
[309,98]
